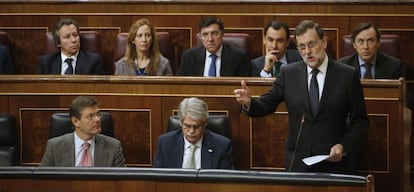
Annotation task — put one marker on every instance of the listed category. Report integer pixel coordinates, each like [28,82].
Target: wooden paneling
[25,22]
[141,106]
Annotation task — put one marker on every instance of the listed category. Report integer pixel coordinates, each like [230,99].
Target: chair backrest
[8,137]
[5,40]
[389,45]
[329,47]
[89,40]
[219,124]
[239,40]
[164,43]
[61,124]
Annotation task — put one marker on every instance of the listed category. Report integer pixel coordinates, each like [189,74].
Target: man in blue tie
[213,58]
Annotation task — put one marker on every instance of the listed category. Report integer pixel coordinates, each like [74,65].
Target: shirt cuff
[263,73]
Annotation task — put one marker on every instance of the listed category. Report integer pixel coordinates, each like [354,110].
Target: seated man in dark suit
[214,58]
[84,147]
[70,59]
[276,42]
[193,146]
[366,41]
[6,64]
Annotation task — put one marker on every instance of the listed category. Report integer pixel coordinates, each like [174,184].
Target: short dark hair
[277,25]
[207,21]
[308,24]
[59,25]
[363,26]
[80,103]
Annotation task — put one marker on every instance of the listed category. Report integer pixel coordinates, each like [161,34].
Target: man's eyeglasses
[310,45]
[196,127]
[213,34]
[367,41]
[94,116]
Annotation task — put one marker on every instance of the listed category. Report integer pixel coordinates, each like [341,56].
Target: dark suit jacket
[6,64]
[234,62]
[216,151]
[257,64]
[60,152]
[342,99]
[87,63]
[386,66]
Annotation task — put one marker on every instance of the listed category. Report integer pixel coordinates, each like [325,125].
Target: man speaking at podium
[321,96]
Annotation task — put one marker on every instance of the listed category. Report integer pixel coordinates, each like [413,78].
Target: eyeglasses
[196,127]
[367,41]
[214,34]
[94,116]
[310,45]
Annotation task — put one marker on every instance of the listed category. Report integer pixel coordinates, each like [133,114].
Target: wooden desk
[174,180]
[141,106]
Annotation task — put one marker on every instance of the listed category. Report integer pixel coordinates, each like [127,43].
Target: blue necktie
[212,70]
[314,92]
[69,70]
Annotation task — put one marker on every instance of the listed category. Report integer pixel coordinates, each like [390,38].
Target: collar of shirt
[283,60]
[218,53]
[64,57]
[362,62]
[322,68]
[79,142]
[188,144]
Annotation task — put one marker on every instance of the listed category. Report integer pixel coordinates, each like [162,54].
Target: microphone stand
[302,121]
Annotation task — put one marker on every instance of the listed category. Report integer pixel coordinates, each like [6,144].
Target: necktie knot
[212,70]
[69,70]
[315,72]
[86,146]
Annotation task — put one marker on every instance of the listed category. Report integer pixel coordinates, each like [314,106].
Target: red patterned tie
[86,160]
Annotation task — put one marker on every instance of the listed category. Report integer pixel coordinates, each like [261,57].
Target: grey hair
[194,108]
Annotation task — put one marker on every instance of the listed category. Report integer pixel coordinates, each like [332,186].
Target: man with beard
[325,103]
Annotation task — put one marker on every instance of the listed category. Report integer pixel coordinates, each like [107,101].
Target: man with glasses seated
[214,58]
[84,147]
[371,63]
[193,146]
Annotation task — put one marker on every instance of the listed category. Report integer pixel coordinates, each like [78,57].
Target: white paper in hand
[314,159]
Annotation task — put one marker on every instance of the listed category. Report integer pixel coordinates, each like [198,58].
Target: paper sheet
[314,159]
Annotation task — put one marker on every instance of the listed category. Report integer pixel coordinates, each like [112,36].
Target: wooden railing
[141,106]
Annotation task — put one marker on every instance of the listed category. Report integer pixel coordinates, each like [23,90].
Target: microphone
[302,121]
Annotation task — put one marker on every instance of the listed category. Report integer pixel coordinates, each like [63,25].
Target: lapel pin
[210,150]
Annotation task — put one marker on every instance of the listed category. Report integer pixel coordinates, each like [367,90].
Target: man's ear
[75,121]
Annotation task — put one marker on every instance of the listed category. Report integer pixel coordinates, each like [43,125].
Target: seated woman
[142,55]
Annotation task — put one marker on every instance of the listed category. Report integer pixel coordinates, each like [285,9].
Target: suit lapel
[56,67]
[329,85]
[68,153]
[303,82]
[80,67]
[100,155]
[178,151]
[207,151]
[201,56]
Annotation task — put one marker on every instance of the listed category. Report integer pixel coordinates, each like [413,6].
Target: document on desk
[314,159]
